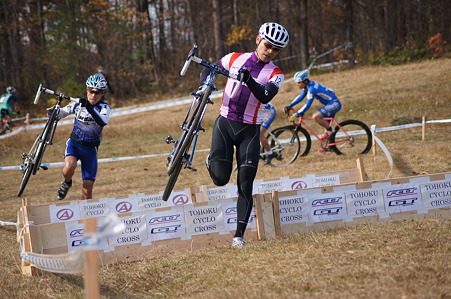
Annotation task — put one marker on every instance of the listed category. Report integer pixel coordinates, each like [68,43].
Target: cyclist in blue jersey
[238,124]
[85,137]
[270,116]
[323,94]
[6,106]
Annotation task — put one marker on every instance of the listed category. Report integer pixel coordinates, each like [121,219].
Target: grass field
[407,259]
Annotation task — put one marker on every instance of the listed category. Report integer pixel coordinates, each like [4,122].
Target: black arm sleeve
[95,115]
[264,93]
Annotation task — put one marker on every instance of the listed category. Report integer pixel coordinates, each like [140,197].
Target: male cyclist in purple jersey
[241,116]
[85,137]
[323,94]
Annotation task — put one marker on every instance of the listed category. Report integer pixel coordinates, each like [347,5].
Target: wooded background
[143,43]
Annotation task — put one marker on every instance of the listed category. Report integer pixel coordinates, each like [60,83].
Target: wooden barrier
[318,209]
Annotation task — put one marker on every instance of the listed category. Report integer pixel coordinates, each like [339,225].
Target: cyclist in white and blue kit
[86,136]
[238,124]
[323,94]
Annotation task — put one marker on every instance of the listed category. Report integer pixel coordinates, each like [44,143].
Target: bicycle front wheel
[185,140]
[172,180]
[351,137]
[285,145]
[28,165]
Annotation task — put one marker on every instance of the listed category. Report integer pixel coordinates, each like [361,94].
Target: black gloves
[243,75]
[84,102]
[287,109]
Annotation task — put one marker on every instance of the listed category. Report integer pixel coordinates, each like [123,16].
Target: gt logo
[165,229]
[327,212]
[402,202]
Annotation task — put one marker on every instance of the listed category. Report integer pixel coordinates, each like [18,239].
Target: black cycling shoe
[64,188]
[269,159]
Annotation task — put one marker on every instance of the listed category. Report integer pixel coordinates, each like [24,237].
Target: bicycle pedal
[210,101]
[44,167]
[192,168]
[169,140]
[23,156]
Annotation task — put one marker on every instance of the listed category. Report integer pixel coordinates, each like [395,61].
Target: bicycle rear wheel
[353,138]
[285,145]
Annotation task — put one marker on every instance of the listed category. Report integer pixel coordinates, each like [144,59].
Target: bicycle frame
[332,122]
[32,160]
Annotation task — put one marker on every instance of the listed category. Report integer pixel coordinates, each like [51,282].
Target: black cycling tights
[245,137]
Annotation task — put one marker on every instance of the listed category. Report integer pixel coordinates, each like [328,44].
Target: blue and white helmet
[96,83]
[301,76]
[275,34]
[10,90]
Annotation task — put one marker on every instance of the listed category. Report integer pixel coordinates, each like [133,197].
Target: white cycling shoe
[238,242]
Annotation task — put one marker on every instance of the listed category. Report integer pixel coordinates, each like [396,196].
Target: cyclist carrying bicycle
[323,94]
[6,106]
[240,117]
[85,137]
[270,116]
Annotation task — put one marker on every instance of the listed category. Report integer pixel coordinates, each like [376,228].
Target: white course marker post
[423,128]
[91,261]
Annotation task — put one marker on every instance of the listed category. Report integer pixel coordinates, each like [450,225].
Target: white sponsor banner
[223,192]
[75,233]
[95,209]
[124,205]
[134,232]
[230,216]
[150,201]
[270,186]
[328,180]
[365,202]
[61,213]
[165,224]
[436,194]
[299,183]
[402,198]
[179,197]
[293,209]
[204,219]
[327,207]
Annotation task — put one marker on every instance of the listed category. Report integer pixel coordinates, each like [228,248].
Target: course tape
[72,262]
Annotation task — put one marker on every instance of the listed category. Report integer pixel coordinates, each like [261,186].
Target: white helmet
[96,83]
[275,34]
[10,89]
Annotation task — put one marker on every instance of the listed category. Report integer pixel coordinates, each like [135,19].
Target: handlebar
[49,91]
[215,68]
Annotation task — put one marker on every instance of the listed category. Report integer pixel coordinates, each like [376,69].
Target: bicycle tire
[286,146]
[357,140]
[30,165]
[43,144]
[171,181]
[187,136]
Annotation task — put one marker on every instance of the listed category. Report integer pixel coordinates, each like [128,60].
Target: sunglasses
[96,92]
[271,47]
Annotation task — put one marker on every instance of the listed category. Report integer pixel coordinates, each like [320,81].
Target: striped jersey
[245,107]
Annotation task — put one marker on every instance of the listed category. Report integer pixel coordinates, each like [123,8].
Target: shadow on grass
[402,165]
[105,290]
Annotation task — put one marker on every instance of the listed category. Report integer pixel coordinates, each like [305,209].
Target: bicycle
[32,161]
[346,139]
[183,153]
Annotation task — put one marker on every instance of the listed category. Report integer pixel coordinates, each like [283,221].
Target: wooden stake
[361,168]
[91,262]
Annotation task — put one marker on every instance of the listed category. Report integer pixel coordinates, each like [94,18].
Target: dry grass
[397,260]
